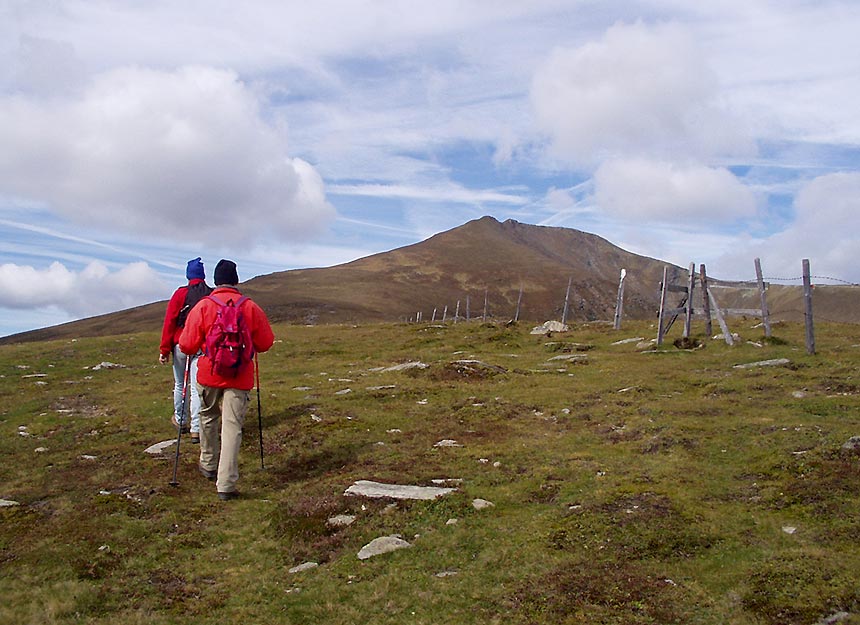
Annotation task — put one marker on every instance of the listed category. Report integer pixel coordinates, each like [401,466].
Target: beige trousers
[219,446]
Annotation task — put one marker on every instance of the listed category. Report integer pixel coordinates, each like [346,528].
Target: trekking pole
[259,410]
[173,482]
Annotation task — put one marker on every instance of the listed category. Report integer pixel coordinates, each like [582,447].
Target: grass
[629,486]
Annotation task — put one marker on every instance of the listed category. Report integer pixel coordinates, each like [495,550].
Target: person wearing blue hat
[180,304]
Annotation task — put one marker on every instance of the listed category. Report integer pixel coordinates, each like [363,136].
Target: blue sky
[137,135]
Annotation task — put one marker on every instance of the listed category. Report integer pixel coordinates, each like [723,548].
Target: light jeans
[179,361]
[222,416]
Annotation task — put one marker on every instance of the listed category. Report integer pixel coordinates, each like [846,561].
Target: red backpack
[228,342]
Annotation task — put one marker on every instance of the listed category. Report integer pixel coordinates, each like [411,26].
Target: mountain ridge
[483,260]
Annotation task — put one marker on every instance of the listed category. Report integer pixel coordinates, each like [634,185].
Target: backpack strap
[235,304]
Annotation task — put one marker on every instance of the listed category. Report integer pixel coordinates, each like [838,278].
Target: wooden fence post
[664,288]
[457,312]
[688,314]
[807,301]
[519,301]
[566,301]
[445,314]
[709,328]
[619,301]
[486,300]
[765,313]
[720,320]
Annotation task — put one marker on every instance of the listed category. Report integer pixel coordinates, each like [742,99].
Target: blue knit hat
[195,269]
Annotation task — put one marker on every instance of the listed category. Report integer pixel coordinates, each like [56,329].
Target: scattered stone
[35,375]
[836,617]
[383,387]
[483,460]
[452,521]
[421,402]
[633,340]
[344,391]
[341,520]
[376,490]
[382,545]
[852,444]
[415,364]
[581,358]
[40,450]
[550,326]
[798,394]
[107,365]
[394,431]
[8,503]
[788,529]
[447,443]
[775,362]
[306,566]
[497,464]
[645,344]
[303,388]
[88,457]
[448,481]
[315,418]
[474,368]
[159,447]
[482,504]
[446,573]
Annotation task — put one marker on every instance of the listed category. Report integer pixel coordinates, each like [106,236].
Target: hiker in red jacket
[183,300]
[224,397]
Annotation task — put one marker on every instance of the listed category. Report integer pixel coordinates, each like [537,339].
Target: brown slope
[482,256]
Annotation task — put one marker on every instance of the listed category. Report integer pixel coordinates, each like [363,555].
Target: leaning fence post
[688,314]
[619,301]
[566,301]
[706,301]
[664,287]
[519,301]
[765,313]
[807,301]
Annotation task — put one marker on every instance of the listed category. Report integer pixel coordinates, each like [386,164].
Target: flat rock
[550,326]
[775,362]
[636,339]
[341,520]
[448,443]
[8,503]
[482,504]
[406,365]
[306,566]
[376,490]
[159,447]
[381,545]
[852,444]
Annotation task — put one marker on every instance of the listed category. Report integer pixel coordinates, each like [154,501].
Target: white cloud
[639,189]
[93,290]
[183,154]
[825,231]
[441,193]
[640,90]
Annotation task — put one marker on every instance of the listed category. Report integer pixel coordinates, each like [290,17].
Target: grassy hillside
[629,485]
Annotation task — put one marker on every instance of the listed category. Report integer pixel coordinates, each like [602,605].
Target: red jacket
[201,318]
[170,331]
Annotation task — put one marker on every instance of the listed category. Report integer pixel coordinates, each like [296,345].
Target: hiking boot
[185,428]
[233,494]
[209,475]
[195,437]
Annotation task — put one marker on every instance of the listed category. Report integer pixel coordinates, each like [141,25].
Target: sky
[135,136]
